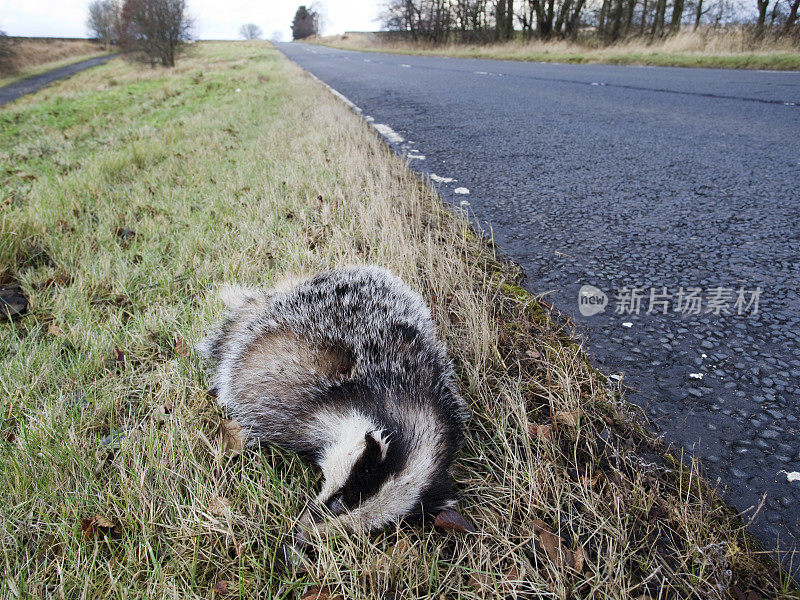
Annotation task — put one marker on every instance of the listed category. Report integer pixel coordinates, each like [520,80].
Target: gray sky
[214,19]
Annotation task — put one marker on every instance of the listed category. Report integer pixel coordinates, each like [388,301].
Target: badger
[346,369]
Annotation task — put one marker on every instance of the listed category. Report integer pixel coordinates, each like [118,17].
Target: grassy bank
[722,51]
[33,56]
[130,193]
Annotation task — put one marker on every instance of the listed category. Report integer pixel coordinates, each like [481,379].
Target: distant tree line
[150,31]
[441,21]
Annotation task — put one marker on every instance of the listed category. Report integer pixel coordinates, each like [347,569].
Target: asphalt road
[679,187]
[11,92]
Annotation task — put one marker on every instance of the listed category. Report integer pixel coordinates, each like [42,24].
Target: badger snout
[314,516]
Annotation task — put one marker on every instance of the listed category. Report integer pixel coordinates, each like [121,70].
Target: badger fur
[345,368]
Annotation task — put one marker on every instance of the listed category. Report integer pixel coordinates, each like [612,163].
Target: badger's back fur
[346,368]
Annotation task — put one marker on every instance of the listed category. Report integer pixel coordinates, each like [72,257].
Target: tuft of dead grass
[117,477]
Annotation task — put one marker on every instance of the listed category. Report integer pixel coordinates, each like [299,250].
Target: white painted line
[791,475]
[438,179]
[461,190]
[406,66]
[388,133]
[696,375]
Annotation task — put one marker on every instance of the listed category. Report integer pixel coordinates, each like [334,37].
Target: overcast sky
[214,19]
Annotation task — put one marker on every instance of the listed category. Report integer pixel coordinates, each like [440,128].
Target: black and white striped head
[375,474]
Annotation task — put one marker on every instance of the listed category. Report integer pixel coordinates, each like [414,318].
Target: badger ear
[376,446]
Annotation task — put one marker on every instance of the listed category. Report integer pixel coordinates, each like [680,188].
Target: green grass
[128,195]
[39,69]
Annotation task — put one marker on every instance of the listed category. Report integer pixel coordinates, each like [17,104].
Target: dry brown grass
[729,48]
[221,185]
[31,54]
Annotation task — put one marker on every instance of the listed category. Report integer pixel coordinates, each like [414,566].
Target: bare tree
[154,31]
[103,20]
[276,36]
[762,16]
[250,31]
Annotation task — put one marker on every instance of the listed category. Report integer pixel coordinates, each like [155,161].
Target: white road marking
[437,178]
[461,190]
[388,133]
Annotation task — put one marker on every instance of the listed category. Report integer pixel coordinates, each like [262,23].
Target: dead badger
[345,368]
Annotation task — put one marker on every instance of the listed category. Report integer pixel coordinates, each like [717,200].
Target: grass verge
[683,50]
[128,194]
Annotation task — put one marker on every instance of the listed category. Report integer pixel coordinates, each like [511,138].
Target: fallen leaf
[98,526]
[102,521]
[119,356]
[399,549]
[54,329]
[570,418]
[590,482]
[482,583]
[531,353]
[233,439]
[168,406]
[541,432]
[221,587]
[580,559]
[181,347]
[551,544]
[219,506]
[450,520]
[319,593]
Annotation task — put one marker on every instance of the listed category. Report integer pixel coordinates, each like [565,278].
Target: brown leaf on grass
[119,356]
[541,432]
[181,347]
[580,559]
[487,585]
[219,506]
[319,593]
[98,527]
[570,418]
[552,545]
[168,406]
[531,353]
[54,330]
[233,439]
[450,520]
[221,587]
